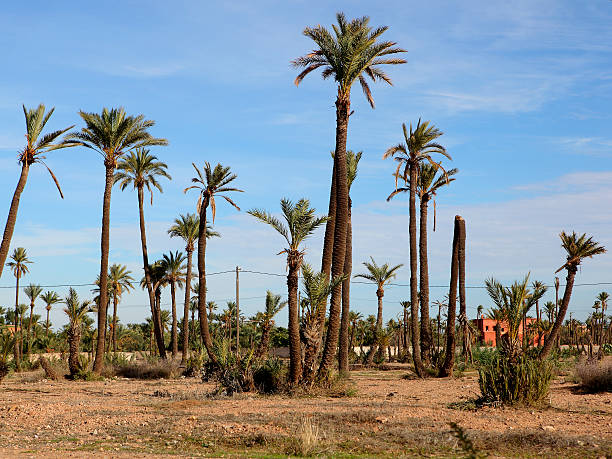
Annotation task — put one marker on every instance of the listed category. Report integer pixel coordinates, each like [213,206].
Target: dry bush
[595,375]
[147,370]
[50,372]
[307,440]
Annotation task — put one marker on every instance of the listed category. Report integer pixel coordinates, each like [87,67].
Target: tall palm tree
[186,227]
[76,311]
[142,170]
[32,291]
[213,183]
[352,162]
[158,278]
[354,318]
[266,321]
[301,223]
[537,285]
[50,298]
[578,247]
[19,265]
[37,145]
[428,184]
[603,298]
[112,134]
[379,275]
[174,264]
[119,281]
[419,147]
[349,54]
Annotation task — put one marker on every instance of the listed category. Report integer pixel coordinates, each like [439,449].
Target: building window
[487,328]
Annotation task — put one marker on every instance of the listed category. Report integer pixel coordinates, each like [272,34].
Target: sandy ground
[388,417]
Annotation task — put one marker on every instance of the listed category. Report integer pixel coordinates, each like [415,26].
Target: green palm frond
[578,247]
[174,266]
[142,170]
[380,275]
[19,262]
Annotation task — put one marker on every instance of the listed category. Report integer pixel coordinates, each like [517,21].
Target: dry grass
[145,370]
[595,375]
[307,440]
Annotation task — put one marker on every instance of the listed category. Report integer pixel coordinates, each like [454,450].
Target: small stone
[548,428]
[381,419]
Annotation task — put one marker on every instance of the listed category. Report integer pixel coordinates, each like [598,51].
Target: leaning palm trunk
[186,308]
[449,358]
[104,248]
[157,331]
[552,337]
[414,294]
[74,339]
[12,215]
[204,330]
[426,333]
[295,349]
[340,231]
[174,335]
[343,353]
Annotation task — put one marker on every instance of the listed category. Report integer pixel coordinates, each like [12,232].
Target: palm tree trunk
[186,308]
[115,304]
[204,330]
[12,215]
[554,333]
[262,349]
[47,324]
[295,350]
[16,348]
[449,357]
[104,249]
[328,242]
[462,299]
[352,338]
[73,351]
[380,293]
[343,353]
[157,331]
[340,230]
[426,334]
[414,293]
[174,336]
[30,329]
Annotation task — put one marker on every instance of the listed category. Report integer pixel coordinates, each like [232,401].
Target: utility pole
[237,311]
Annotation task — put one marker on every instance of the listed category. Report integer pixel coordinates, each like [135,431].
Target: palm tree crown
[32,291]
[75,308]
[173,264]
[380,275]
[19,262]
[50,298]
[186,227]
[142,170]
[351,53]
[273,306]
[213,182]
[577,248]
[119,280]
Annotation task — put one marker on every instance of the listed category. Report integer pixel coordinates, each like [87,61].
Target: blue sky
[522,91]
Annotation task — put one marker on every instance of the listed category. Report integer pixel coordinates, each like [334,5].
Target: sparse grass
[147,370]
[596,375]
[307,439]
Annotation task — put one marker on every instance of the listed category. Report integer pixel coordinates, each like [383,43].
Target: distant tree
[19,265]
[50,298]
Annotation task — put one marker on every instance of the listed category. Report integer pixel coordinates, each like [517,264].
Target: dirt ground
[387,417]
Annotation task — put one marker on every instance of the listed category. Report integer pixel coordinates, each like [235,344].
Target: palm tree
[350,54]
[37,145]
[186,227]
[32,291]
[266,321]
[112,134]
[316,288]
[301,223]
[174,264]
[213,183]
[428,184]
[514,303]
[142,170]
[354,318]
[603,300]
[50,298]
[379,275]
[578,247]
[76,311]
[538,285]
[418,147]
[120,281]
[479,310]
[158,281]
[19,265]
[352,160]
[596,318]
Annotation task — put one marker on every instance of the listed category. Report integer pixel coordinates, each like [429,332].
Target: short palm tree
[212,183]
[37,145]
[352,52]
[50,298]
[76,310]
[514,302]
[119,281]
[19,265]
[379,275]
[186,227]
[577,247]
[429,181]
[603,298]
[301,222]
[32,291]
[419,146]
[112,134]
[174,264]
[266,321]
[142,170]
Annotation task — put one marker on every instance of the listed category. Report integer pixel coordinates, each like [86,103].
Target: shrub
[234,373]
[307,439]
[195,363]
[148,370]
[524,380]
[271,376]
[595,376]
[6,346]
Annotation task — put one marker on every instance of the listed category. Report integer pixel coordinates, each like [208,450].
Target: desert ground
[385,415]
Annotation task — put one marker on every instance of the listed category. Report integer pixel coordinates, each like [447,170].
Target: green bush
[6,346]
[523,381]
[271,376]
[234,373]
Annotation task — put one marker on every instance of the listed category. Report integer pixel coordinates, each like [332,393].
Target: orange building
[486,329]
